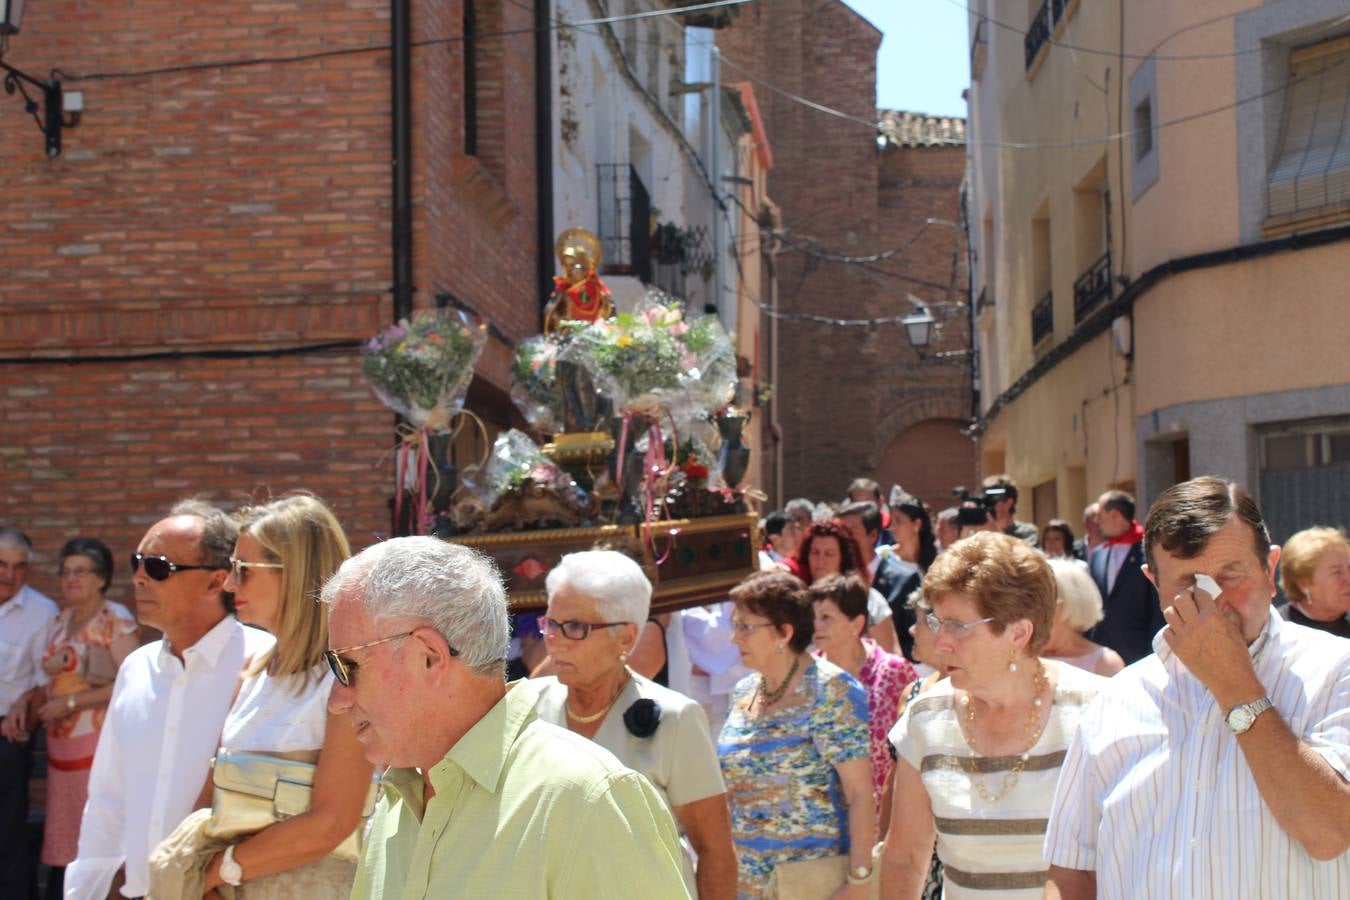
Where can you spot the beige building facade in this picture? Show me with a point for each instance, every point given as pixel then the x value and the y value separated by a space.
pixel 1160 211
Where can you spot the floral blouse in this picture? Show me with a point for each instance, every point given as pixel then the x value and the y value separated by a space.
pixel 786 800
pixel 111 622
pixel 885 677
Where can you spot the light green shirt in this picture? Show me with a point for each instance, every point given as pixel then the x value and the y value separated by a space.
pixel 522 809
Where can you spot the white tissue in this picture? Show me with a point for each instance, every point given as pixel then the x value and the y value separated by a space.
pixel 1208 585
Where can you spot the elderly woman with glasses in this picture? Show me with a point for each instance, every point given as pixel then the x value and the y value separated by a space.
pixel 88 642
pixel 795 752
pixel 285 552
pixel 979 753
pixel 598 603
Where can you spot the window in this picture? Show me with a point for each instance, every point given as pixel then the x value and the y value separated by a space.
pixel 1310 175
pixel 1143 129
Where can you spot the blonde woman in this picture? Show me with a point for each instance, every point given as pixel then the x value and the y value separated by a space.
pixel 286 550
pixel 1315 576
pixel 1078 607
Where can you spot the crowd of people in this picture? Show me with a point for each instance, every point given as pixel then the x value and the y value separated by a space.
pixel 898 704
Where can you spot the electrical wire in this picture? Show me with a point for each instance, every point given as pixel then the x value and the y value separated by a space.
pixel 380 48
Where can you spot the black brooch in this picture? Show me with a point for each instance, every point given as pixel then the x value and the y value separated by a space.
pixel 642 718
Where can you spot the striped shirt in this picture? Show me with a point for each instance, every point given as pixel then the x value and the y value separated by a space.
pixel 990 849
pixel 1157 798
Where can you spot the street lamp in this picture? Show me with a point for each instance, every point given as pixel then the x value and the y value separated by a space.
pixel 48 112
pixel 11 14
pixel 919 326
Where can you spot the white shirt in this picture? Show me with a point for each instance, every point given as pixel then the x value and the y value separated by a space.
pixel 707 635
pixel 25 622
pixel 163 726
pixel 1115 560
pixel 1157 798
pixel 270 716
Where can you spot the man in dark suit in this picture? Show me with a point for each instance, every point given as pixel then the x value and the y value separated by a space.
pixel 892 577
pixel 1129 599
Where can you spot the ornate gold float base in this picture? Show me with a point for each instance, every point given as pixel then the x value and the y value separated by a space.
pixel 700 560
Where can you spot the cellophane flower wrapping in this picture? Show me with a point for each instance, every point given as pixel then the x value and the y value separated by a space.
pixel 515 460
pixel 421 367
pixel 534 382
pixel 654 358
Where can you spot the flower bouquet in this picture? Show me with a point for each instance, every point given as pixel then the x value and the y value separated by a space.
pixel 521 488
pixel 421 367
pixel 534 383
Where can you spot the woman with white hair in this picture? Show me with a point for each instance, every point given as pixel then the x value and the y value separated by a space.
pixel 1078 608
pixel 598 602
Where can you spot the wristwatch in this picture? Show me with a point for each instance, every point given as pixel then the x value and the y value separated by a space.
pixel 1240 718
pixel 860 875
pixel 230 871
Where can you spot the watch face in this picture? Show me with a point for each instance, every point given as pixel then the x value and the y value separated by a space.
pixel 1240 719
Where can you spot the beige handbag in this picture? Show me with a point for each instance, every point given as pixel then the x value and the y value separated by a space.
pixel 818 879
pixel 254 790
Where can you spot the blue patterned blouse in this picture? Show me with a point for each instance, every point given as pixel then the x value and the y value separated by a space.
pixel 786 801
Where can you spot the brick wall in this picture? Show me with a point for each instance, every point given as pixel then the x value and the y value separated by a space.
pixel 226 213
pixel 845 394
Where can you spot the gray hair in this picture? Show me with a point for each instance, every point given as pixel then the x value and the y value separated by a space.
pixel 1077 593
pixel 619 587
pixel 455 590
pixel 801 504
pixel 15 539
pixel 219 530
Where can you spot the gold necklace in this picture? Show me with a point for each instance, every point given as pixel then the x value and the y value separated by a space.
pixel 1031 730
pixel 586 720
pixel 773 696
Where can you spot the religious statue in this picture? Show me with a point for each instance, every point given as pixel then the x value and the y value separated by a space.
pixel 578 294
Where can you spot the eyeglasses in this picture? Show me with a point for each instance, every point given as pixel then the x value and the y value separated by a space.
pixel 954 628
pixel 76 573
pixel 159 568
pixel 344 669
pixel 239 568
pixel 573 631
pixel 744 628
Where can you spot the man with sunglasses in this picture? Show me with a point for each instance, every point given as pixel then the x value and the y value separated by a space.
pixel 481 799
pixel 25 619
pixel 169 701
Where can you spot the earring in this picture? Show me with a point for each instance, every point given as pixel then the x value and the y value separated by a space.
pixel 1012 661
pixel 623 657
pixel 780 649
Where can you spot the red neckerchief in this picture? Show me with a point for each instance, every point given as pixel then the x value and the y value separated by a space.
pixel 1133 535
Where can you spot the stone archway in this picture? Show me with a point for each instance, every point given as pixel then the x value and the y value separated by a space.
pixel 929 458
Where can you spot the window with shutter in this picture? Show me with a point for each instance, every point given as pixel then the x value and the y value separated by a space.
pixel 1309 181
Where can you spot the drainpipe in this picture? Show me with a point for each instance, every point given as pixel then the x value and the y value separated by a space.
pixel 543 145
pixel 401 236
pixel 715 165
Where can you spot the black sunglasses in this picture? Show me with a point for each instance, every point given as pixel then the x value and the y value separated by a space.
pixel 344 669
pixel 159 568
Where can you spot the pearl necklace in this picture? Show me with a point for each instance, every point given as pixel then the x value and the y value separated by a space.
pixel 1031 730
pixel 586 720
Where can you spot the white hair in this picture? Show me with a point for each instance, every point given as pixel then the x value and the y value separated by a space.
pixel 1077 593
pixel 15 539
pixel 457 591
pixel 619 587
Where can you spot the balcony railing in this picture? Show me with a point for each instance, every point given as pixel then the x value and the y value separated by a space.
pixel 1092 289
pixel 1038 33
pixel 625 221
pixel 1043 319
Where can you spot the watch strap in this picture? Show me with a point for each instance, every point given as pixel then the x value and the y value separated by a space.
pixel 230 871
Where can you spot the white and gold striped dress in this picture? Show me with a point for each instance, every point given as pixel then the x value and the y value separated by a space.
pixel 990 849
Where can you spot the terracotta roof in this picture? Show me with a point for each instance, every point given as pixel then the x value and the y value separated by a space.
pixel 911 129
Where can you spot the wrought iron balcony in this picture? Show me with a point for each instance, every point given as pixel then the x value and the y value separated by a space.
pixel 1092 289
pixel 1038 33
pixel 625 221
pixel 1043 319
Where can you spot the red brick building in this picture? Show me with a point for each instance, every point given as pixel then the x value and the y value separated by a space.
pixel 858 400
pixel 184 286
